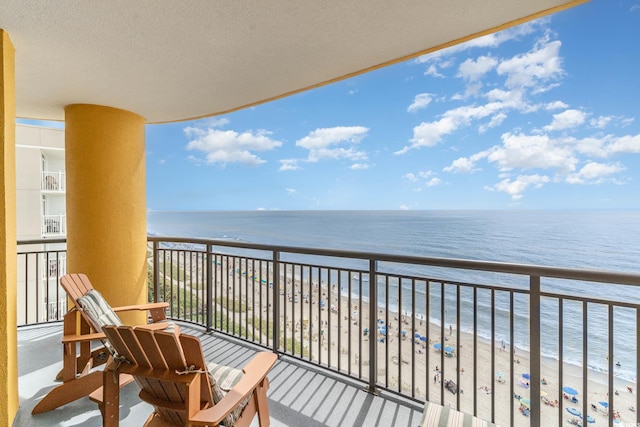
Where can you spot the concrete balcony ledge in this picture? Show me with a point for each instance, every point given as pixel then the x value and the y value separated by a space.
pixel 299 395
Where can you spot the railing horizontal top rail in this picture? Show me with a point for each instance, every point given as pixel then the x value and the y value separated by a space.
pixel 601 276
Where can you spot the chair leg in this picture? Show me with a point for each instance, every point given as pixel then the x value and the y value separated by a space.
pixel 111 399
pixel 68 392
pixel 262 403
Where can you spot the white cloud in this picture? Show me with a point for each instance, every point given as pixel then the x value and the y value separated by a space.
pixel 471 70
pixel 594 173
pixel 542 64
pixel 516 187
pixel 428 134
pixel 223 147
pixel 495 121
pixel 421 100
pixel 426 177
pixel 289 165
pixel 432 70
pixel 566 120
pixel 403 207
pixel 410 177
pixel 464 164
pixel 531 152
pixel 320 143
pixel 433 182
pixel 359 166
pixel 556 105
pixel 625 144
pixel 202 126
pixel 601 122
pixel 291 192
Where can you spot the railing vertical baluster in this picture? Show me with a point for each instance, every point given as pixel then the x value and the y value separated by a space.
pixel 493 354
pixel 209 298
pixel 360 325
pixel 329 316
pixel 386 325
pixel 156 271
pixel 585 356
pixel 475 351
pixel 37 282
pixel 442 325
pixel 339 284
pixel 458 344
pixel 26 289
pixel 413 338
pixel 534 336
pixel 427 325
pixel 276 301
pixel 610 371
pixel 511 367
pixel 560 357
pixel 373 313
pixel 399 326
pixel 637 359
pixel 350 311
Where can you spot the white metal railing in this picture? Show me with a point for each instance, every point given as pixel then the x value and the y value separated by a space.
pixel 53 181
pixel 53 310
pixel 54 225
pixel 56 266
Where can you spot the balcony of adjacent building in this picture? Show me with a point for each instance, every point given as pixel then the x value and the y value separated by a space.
pixel 518 344
pixel 53 182
pixel 54 225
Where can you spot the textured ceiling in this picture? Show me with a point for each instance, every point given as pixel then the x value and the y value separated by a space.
pixel 171 60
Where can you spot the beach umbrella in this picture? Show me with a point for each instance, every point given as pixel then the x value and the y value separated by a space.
pixel 448 349
pixel 526 376
pixel 525 402
pixel 403 333
pixel 417 335
pixel 574 411
pixel 437 346
pixel 604 404
pixel 590 419
pixel 543 393
pixel 570 390
pixel 500 374
pixel 423 338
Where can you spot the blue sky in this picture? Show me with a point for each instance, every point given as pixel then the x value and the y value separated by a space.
pixel 541 116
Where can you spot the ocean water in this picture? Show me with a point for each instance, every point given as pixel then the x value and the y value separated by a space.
pixel 591 239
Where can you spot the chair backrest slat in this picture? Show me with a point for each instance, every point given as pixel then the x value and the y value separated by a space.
pixel 136 351
pixel 193 355
pixel 115 339
pixel 76 285
pixel 151 349
pixel 171 350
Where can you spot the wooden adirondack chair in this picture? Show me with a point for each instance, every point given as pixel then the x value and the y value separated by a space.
pixel 78 378
pixel 173 376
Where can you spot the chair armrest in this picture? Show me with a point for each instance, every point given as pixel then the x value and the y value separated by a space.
pixel 254 373
pixel 83 337
pixel 142 307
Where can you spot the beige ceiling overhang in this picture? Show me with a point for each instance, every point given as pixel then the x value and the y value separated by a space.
pixel 170 60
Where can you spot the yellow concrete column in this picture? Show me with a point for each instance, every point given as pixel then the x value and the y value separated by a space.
pixel 106 202
pixel 8 247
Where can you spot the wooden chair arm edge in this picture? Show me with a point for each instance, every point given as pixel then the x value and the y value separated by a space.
pixel 83 337
pixel 142 307
pixel 255 373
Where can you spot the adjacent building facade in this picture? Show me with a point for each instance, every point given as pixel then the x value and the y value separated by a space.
pixel 41 215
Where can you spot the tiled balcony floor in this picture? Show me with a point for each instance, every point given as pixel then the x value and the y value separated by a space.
pixel 299 395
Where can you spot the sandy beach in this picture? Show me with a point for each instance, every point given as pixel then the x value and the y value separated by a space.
pixel 327 327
